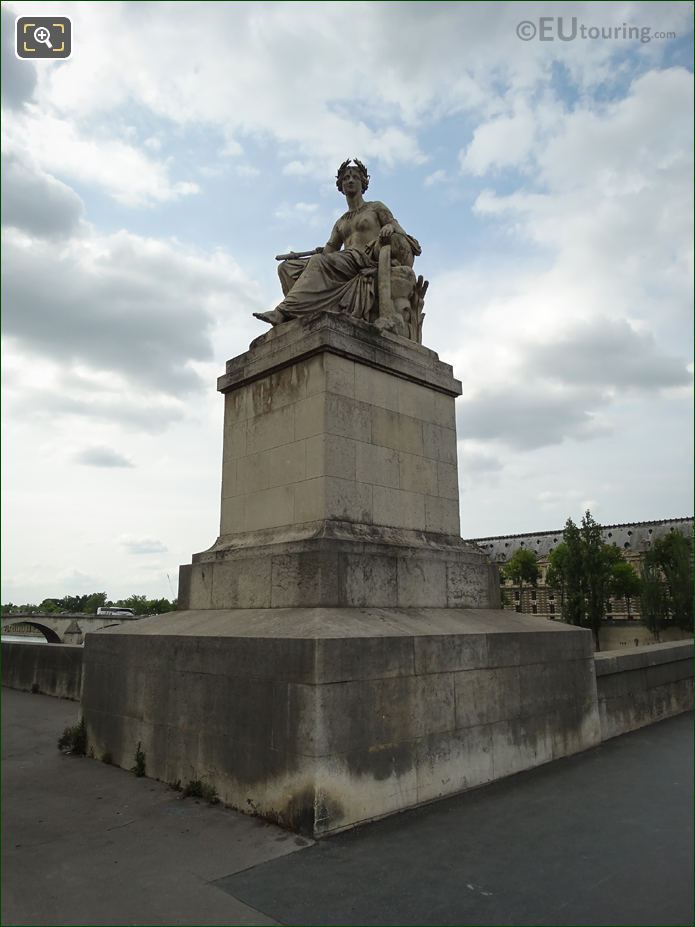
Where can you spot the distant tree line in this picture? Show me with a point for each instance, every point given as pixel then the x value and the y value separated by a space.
pixel 89 603
pixel 586 573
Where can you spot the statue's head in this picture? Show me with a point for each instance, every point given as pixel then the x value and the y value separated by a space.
pixel 355 165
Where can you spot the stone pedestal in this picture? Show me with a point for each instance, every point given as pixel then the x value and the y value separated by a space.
pixel 339 478
pixel 340 653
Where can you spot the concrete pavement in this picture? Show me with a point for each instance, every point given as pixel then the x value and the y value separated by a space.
pixel 600 838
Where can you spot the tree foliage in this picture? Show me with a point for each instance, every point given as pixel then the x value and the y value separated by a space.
pixel 522 567
pixel 598 562
pixel 587 573
pixel 653 599
pixel 89 603
pixel 574 609
pixel 625 582
pixel 556 574
pixel 670 559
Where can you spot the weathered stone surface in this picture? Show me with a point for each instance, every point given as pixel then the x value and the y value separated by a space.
pixel 52 669
pixel 340 653
pixel 640 686
pixel 353 573
pixel 335 334
pixel 374 426
pixel 322 718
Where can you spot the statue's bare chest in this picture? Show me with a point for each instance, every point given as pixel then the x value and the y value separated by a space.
pixel 364 223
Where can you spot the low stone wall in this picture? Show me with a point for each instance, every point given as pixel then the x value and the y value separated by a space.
pixel 52 669
pixel 640 686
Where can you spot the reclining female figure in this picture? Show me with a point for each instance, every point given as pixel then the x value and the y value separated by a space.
pixel 341 275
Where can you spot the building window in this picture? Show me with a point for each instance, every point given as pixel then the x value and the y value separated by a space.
pixel 517 594
pixel 533 595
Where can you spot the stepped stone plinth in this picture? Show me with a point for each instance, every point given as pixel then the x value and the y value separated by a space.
pixel 340 652
pixel 339 478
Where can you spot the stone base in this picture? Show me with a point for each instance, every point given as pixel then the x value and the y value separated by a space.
pixel 320 719
pixel 340 565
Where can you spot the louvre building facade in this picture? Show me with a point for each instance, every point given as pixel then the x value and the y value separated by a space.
pixel 634 539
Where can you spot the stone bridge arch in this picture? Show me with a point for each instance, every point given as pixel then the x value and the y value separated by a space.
pixel 51 636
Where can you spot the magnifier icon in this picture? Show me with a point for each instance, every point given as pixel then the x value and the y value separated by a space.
pixel 42 34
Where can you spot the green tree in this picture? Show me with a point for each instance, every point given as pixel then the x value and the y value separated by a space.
pixel 522 568
pixel 672 556
pixel 137 602
pixel 653 598
pixel 574 608
pixel 583 569
pixel 73 603
pixel 556 574
pixel 141 605
pixel 159 606
pixel 598 561
pixel 93 602
pixel 625 582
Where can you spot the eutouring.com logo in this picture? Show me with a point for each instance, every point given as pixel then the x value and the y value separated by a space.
pixel 562 29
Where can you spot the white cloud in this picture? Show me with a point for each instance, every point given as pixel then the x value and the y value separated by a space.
pixel 609 354
pixel 140 546
pixel 246 170
pixel 506 141
pixel 36 202
pixel 102 457
pixel 530 417
pixel 311 93
pixel 139 308
pixel 18 78
pixel 299 213
pixel 549 348
pixel 435 177
pixel 126 173
pixel 297 169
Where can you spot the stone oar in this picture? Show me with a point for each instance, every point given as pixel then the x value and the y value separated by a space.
pixel 297 254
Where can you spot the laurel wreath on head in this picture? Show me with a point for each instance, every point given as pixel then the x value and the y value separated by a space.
pixel 360 167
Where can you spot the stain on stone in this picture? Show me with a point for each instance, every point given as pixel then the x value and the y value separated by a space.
pixel 297 815
pixel 307 814
pixel 382 763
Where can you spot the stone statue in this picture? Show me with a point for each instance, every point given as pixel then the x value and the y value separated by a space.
pixel 364 269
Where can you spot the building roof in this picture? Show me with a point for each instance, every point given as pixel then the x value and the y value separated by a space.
pixel 635 535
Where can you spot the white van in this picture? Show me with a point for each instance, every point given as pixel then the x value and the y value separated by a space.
pixel 113 610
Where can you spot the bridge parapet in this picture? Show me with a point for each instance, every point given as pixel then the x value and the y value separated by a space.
pixel 69 628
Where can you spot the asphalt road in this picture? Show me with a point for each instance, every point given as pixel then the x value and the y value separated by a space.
pixel 601 838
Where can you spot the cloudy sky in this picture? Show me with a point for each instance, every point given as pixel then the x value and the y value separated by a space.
pixel 149 180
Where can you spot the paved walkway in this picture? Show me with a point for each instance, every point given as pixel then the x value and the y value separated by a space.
pixel 601 838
